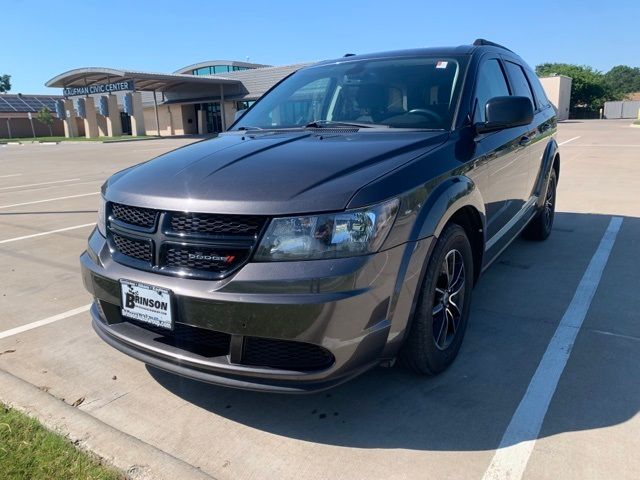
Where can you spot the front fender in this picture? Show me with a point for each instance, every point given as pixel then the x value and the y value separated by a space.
pixel 444 201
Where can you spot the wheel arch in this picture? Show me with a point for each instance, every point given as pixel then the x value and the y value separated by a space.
pixel 457 200
pixel 550 161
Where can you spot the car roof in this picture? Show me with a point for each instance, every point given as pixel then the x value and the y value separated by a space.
pixel 479 45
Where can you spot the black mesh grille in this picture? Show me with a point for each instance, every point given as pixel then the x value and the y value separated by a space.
pixel 208 224
pixel 140 217
pixel 285 354
pixel 133 248
pixel 203 342
pixel 203 259
pixel 209 245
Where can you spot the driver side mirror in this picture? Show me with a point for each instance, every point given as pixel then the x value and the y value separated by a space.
pixel 506 112
pixel 238 114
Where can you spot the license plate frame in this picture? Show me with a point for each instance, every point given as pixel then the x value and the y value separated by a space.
pixel 147 303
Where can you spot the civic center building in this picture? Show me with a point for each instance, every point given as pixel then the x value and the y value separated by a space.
pixel 197 99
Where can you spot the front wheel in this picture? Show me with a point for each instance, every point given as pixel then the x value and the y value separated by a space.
pixel 540 227
pixel 440 319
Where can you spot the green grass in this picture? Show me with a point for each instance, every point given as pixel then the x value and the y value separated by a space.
pixel 29 451
pixel 73 139
pixel 637 122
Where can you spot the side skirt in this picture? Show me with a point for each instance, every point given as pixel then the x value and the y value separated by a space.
pixel 499 242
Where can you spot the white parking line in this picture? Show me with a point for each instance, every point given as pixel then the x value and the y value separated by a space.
pixel 46 321
pixel 570 140
pixel 38 184
pixel 48 200
pixel 15 239
pixel 11 175
pixel 49 187
pixel 611 145
pixel 512 456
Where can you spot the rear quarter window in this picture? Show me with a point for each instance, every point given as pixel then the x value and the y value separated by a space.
pixel 541 97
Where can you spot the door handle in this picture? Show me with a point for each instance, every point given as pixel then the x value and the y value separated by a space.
pixel 524 141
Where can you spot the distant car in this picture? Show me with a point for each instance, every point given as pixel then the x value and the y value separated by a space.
pixel 341 222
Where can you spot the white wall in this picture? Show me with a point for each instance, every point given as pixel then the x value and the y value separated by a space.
pixel 558 90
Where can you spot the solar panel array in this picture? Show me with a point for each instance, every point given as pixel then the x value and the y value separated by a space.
pixel 27 103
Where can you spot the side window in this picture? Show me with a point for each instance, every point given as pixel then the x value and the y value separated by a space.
pixel 519 81
pixel 491 83
pixel 541 97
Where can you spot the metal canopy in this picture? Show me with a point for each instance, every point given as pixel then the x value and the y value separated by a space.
pixel 144 81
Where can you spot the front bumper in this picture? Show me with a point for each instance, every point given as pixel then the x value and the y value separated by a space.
pixel 348 313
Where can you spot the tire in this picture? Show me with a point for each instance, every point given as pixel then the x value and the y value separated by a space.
pixel 427 350
pixel 540 226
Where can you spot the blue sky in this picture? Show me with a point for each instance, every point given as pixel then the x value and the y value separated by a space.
pixel 41 39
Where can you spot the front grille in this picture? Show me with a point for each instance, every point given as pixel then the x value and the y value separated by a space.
pixel 203 259
pixel 137 249
pixel 203 342
pixel 285 354
pixel 140 217
pixel 196 245
pixel 208 224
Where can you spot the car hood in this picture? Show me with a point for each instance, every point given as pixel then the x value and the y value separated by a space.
pixel 268 173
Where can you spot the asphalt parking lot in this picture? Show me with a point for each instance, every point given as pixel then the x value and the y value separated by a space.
pixel 388 423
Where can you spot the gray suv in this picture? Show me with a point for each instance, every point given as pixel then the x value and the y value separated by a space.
pixel 341 222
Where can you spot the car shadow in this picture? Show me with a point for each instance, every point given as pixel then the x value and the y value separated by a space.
pixel 516 308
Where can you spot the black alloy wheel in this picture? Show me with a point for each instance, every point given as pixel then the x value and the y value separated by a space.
pixel 448 299
pixel 540 226
pixel 440 319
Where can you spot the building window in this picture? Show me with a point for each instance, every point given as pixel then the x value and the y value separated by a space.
pixel 215 69
pixel 244 105
pixel 202 71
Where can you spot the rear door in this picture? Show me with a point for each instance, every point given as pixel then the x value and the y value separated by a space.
pixel 505 157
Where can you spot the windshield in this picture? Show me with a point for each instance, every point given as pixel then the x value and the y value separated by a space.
pixel 418 92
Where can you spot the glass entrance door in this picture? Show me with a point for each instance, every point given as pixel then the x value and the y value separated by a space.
pixel 126 123
pixel 212 117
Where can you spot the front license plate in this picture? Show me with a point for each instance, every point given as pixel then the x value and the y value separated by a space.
pixel 146 303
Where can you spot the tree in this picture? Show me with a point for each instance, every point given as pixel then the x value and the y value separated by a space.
pixel 5 83
pixel 44 116
pixel 589 89
pixel 623 80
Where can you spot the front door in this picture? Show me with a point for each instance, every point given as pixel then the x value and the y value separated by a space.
pixel 125 120
pixel 503 153
pixel 212 118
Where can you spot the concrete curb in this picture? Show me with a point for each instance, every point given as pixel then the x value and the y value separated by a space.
pixel 132 140
pixel 139 460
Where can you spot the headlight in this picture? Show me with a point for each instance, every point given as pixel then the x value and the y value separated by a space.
pixel 102 221
pixel 344 234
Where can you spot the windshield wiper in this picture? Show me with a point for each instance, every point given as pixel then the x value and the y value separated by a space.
pixel 333 123
pixel 250 128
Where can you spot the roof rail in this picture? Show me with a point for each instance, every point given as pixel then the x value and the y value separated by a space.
pixel 481 41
